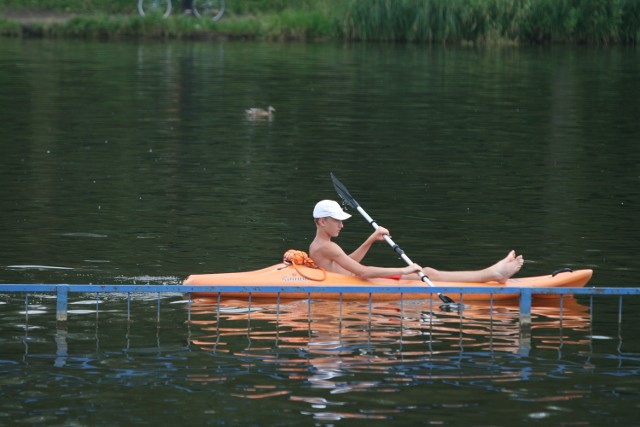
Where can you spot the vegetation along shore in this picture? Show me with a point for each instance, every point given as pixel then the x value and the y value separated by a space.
pixel 597 22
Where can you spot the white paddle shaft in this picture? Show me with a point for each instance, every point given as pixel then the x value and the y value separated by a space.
pixel 395 247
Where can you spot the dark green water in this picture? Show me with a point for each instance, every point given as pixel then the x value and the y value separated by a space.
pixel 135 163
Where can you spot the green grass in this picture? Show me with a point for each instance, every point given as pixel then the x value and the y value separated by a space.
pixel 577 21
pixel 10 28
pixel 418 21
pixel 531 21
pixel 285 26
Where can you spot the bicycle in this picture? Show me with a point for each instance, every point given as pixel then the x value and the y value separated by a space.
pixel 209 9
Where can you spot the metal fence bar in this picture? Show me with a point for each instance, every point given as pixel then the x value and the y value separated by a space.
pixel 62 303
pixel 525 307
pixel 185 289
pixel 524 294
pixel 525 322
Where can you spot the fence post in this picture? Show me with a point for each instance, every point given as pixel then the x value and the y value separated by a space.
pixel 525 307
pixel 62 302
pixel 525 322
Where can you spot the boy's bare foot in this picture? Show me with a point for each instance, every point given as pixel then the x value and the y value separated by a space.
pixel 507 267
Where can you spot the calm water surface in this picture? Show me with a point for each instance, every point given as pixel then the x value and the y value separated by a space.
pixel 134 163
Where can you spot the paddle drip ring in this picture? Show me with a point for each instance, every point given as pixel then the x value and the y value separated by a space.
pixel 295 258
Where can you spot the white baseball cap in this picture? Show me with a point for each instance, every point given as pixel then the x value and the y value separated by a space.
pixel 329 208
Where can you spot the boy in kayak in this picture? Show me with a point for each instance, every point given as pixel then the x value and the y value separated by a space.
pixel 329 218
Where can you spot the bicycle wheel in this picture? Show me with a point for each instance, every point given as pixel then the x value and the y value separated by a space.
pixel 209 9
pixel 154 7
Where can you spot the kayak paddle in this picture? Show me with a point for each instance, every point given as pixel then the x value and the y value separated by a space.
pixel 349 200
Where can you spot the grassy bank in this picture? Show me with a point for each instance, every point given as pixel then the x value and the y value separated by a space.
pixel 419 21
pixel 530 21
pixel 284 26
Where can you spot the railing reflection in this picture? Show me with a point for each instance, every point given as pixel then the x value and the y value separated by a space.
pixel 321 340
pixel 334 327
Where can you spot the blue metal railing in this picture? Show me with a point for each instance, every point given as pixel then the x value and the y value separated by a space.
pixel 524 294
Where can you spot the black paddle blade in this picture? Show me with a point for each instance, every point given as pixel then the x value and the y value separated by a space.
pixel 343 192
pixel 449 305
pixel 445 299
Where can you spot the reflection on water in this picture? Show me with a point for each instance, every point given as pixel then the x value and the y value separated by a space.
pixel 358 335
pixel 318 355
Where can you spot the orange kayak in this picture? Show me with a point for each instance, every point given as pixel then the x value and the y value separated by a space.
pixel 290 276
